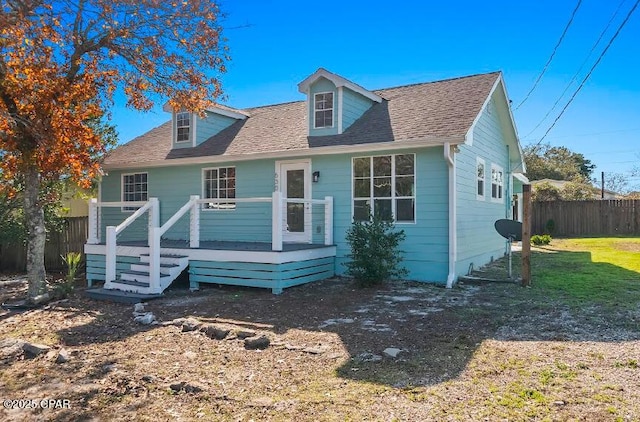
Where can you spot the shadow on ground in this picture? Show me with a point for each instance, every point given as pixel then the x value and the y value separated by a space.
pixel 437 330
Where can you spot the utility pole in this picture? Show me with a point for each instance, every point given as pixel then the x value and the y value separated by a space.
pixel 602 187
pixel 526 236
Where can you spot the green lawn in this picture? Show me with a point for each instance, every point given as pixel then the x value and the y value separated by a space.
pixel 589 271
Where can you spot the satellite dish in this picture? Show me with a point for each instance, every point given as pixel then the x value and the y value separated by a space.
pixel 509 229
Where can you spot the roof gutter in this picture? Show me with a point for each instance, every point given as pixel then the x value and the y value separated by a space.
pixel 449 157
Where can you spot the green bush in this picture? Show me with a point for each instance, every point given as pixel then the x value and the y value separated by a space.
pixel 550 226
pixel 540 239
pixel 374 256
pixel 64 287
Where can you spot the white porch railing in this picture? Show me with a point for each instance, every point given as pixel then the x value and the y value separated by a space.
pixel 112 232
pixel 193 207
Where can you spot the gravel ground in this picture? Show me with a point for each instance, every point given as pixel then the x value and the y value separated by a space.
pixel 476 352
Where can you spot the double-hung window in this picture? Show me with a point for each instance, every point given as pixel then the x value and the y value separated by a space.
pixel 183 126
pixel 385 186
pixel 134 189
pixel 323 110
pixel 480 175
pixel 219 183
pixel 496 183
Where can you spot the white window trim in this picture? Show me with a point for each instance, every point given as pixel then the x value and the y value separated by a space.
pixel 500 185
pixel 484 179
pixel 204 194
pixel 393 187
pixel 192 129
pixel 124 209
pixel 333 108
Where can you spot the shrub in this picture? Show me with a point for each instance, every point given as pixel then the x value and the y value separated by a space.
pixel 375 256
pixel 540 239
pixel 550 226
pixel 73 261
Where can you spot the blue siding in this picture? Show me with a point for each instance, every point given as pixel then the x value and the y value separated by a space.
pixel 426 245
pixel 211 125
pixel 323 85
pixel 478 242
pixel 95 266
pixel 174 185
pixel 425 248
pixel 354 106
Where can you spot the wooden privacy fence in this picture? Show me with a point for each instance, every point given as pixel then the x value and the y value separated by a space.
pixel 587 218
pixel 13 257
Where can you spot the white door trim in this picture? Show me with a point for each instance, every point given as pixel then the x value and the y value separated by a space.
pixel 281 168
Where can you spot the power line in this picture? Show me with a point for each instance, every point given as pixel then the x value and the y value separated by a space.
pixel 553 53
pixel 624 22
pixel 575 76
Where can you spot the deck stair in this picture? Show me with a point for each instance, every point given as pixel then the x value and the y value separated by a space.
pixel 136 279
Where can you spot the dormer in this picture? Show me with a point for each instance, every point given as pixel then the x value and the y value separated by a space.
pixel 190 129
pixel 334 103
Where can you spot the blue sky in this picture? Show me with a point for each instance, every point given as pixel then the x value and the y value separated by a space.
pixel 276 44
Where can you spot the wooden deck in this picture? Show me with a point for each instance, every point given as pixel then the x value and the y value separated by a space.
pixel 251 264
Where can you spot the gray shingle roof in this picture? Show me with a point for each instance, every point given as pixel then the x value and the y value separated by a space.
pixel 428 112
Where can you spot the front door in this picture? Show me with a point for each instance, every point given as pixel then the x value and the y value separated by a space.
pixel 294 183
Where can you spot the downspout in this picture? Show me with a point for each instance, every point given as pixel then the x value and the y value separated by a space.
pixel 453 241
pixel 508 200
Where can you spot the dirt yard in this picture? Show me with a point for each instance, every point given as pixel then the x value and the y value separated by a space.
pixel 405 351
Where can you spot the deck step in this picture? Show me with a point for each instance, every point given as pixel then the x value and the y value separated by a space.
pixel 120 296
pixel 167 255
pixel 132 283
pixel 146 264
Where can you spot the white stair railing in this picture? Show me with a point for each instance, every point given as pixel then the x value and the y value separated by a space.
pixel 112 232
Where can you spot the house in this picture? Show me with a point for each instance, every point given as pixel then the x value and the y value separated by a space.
pixel 263 196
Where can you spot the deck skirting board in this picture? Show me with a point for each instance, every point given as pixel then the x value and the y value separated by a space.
pixel 265 269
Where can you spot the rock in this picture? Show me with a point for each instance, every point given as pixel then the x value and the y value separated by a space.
pixel 110 367
pixel 243 333
pixel 391 352
pixel 138 308
pixel 315 350
pixel 256 342
pixel 148 378
pixel 33 349
pixel 559 403
pixel 188 388
pixel 214 331
pixel 63 356
pixel 145 319
pixel 190 324
pixel 368 357
pixel 40 299
pixel 261 402
pixel 11 349
pixel 190 355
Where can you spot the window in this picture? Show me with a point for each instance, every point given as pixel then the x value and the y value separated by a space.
pixel 134 188
pixel 183 126
pixel 219 183
pixel 384 186
pixel 496 183
pixel 323 110
pixel 480 178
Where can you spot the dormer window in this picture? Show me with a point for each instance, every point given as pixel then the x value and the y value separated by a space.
pixel 323 110
pixel 183 126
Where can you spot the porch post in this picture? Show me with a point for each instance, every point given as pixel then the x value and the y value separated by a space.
pixel 328 220
pixel 194 222
pixel 154 214
pixel 110 257
pixel 154 260
pixel 93 238
pixel 276 221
